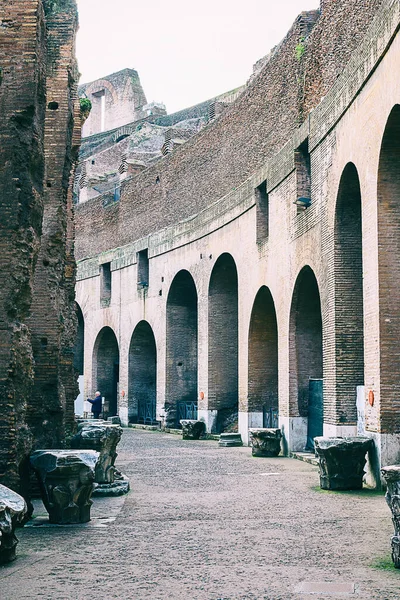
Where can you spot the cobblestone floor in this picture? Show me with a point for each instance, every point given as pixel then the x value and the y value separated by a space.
pixel 204 523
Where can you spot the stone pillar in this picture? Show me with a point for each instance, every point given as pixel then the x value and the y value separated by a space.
pixel 66 479
pixel 12 512
pixel 391 475
pixel 265 442
pixel 342 462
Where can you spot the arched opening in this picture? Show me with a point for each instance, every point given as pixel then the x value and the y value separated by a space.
pixel 80 341
pixel 79 360
pixel 263 359
pixel 305 355
pixel 142 375
pixel 106 370
pixel 389 273
pixel 181 357
pixel 223 344
pixel 349 306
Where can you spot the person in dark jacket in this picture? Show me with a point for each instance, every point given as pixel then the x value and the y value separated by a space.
pixel 96 405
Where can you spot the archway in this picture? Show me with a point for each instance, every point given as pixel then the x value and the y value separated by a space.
pixel 181 355
pixel 223 343
pixel 305 355
pixel 78 360
pixel 263 359
pixel 106 369
pixel 389 273
pixel 142 375
pixel 80 341
pixel 349 306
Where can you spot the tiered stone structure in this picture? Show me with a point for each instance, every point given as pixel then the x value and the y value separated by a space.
pixel 255 265
pixel 39 142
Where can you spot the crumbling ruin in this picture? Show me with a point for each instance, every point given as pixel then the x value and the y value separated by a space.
pixel 39 142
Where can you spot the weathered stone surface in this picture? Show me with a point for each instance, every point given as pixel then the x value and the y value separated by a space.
pixel 342 461
pixel 66 479
pixel 119 486
pixel 230 439
pixel 192 429
pixel 104 438
pixel 391 475
pixel 12 511
pixel 114 420
pixel 265 442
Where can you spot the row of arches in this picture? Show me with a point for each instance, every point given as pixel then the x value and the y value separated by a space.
pixel 308 319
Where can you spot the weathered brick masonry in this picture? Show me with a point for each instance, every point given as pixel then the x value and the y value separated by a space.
pixel 37 322
pixel 284 213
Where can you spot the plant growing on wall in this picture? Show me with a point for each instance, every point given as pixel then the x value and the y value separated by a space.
pixel 85 108
pixel 300 48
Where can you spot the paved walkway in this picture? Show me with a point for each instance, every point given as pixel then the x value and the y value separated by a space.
pixel 204 523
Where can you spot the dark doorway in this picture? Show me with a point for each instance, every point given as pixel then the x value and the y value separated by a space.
pixel 181 357
pixel 106 369
pixel 223 343
pixel 142 375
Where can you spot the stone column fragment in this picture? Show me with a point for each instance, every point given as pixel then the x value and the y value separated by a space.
pixel 192 429
pixel 66 479
pixel 104 438
pixel 342 461
pixel 391 475
pixel 265 442
pixel 12 511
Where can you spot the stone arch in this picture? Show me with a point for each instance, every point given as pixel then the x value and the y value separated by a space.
pixel 389 273
pixel 306 356
pixel 223 343
pixel 349 306
pixel 106 369
pixel 263 359
pixel 142 375
pixel 181 350
pixel 99 85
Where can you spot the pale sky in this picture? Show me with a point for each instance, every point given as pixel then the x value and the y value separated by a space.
pixel 185 52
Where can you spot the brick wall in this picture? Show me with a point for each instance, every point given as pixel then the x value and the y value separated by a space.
pixel 37 263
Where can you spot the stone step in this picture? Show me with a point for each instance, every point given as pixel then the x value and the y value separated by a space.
pixel 146 427
pixel 307 457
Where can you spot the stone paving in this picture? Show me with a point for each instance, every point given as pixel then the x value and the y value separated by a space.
pixel 210 523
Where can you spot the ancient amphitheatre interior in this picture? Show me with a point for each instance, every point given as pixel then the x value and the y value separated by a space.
pixel 235 264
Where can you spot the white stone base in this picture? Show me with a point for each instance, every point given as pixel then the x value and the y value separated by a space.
pixel 123 415
pixel 294 432
pixel 385 453
pixel 248 420
pixel 209 417
pixel 339 430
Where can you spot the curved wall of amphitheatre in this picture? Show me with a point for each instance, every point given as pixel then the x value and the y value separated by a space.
pixel 231 190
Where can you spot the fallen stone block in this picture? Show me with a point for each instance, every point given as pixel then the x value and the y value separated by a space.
pixel 66 479
pixel 227 440
pixel 265 442
pixel 12 512
pixel 342 461
pixel 192 429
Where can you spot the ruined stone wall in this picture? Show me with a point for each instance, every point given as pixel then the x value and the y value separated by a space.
pixel 35 166
pixel 255 127
pixel 122 103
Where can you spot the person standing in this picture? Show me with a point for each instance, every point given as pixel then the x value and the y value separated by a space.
pixel 96 405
